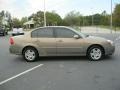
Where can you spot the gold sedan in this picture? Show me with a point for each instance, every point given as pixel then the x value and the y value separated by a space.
pixel 59 41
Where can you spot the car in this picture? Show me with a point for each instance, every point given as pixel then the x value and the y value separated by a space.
pixel 60 41
pixel 2 32
pixel 17 31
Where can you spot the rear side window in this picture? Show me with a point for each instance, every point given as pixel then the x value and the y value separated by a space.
pixel 42 33
pixel 34 34
pixel 64 33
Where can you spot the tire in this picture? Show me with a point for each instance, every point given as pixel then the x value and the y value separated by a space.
pixel 3 34
pixel 6 33
pixel 13 34
pixel 95 53
pixel 30 54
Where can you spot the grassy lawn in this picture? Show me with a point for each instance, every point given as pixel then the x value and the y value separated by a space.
pixel 100 26
pixel 108 27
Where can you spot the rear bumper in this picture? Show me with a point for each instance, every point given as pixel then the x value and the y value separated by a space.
pixel 15 50
pixel 16 34
pixel 1 33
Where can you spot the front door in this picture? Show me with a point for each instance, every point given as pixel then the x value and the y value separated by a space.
pixel 67 44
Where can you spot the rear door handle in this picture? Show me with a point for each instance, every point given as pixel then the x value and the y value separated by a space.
pixel 60 41
pixel 36 41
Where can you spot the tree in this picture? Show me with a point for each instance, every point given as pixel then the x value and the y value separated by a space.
pixel 88 20
pixel 2 14
pixel 5 20
pixel 98 19
pixel 116 15
pixel 52 18
pixel 23 20
pixel 9 20
pixel 0 19
pixel 73 18
pixel 16 23
pixel 105 19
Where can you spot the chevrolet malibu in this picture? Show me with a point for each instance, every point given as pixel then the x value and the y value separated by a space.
pixel 59 41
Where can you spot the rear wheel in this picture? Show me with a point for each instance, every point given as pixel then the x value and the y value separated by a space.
pixel 95 53
pixel 30 54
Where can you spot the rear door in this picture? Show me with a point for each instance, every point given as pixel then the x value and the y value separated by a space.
pixel 46 41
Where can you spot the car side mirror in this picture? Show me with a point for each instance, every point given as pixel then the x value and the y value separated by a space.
pixel 76 37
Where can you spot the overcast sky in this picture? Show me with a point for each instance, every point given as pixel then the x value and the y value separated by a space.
pixel 21 8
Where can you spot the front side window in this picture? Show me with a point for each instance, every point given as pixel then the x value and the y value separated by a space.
pixel 42 33
pixel 64 33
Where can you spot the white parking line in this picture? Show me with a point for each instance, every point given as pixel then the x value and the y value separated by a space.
pixel 9 79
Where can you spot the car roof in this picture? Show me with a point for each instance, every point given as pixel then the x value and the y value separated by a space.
pixel 51 27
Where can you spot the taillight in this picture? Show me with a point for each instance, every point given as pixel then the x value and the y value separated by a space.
pixel 11 41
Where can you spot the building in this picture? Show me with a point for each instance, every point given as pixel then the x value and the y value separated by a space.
pixel 29 24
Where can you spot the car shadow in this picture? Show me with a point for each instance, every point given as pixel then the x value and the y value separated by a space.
pixel 72 58
pixel 108 58
pixel 54 58
pixel 62 58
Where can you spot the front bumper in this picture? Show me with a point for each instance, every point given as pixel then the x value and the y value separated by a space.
pixel 110 50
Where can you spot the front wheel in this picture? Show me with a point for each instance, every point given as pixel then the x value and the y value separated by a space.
pixel 95 53
pixel 30 54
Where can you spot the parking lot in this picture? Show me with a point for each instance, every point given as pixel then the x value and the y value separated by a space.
pixel 59 73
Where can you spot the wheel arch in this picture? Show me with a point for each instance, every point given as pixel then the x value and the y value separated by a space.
pixel 29 46
pixel 96 45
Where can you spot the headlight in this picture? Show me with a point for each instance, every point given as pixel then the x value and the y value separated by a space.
pixel 109 41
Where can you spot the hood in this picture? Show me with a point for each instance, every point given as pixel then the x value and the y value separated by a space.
pixel 95 39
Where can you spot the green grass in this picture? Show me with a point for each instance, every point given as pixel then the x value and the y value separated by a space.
pixel 99 26
pixel 108 27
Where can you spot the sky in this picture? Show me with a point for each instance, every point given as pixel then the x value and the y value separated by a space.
pixel 22 8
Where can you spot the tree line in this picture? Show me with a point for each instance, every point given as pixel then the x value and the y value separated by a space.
pixel 73 18
pixel 5 19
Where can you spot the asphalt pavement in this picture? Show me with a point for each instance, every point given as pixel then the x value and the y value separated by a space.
pixel 59 73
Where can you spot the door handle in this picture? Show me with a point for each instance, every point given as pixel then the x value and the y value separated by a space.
pixel 36 41
pixel 60 41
